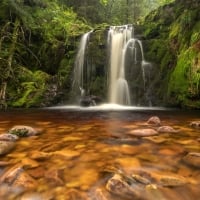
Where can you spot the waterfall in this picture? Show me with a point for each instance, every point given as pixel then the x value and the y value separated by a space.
pixel 118 86
pixel 120 41
pixel 127 69
pixel 80 64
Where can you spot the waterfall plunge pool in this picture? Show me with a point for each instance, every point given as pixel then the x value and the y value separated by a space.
pixel 77 154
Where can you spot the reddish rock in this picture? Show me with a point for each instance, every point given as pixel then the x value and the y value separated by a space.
pixel 74 194
pixel 4 163
pixel 99 195
pixel 17 177
pixel 38 172
pixel 143 132
pixel 116 185
pixel 38 155
pixel 54 176
pixel 195 124
pixel 154 120
pixel 6 147
pixel 24 180
pixel 166 129
pixel 8 137
pixel 172 181
pixel 193 159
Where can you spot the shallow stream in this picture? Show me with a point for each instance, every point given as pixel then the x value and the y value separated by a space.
pixel 82 149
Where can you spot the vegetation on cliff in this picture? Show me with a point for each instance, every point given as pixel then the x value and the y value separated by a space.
pixel 39 39
pixel 172 35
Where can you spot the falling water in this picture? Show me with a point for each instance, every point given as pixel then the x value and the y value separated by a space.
pixel 120 41
pixel 80 61
pixel 118 86
pixel 125 53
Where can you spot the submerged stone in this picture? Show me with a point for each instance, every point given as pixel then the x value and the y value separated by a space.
pixel 192 158
pixel 39 155
pixel 172 181
pixel 166 129
pixel 154 120
pixel 195 124
pixel 54 177
pixel 74 194
pixel 143 132
pixel 17 177
pixel 116 185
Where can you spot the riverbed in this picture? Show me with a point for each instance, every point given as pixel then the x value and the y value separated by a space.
pixel 78 151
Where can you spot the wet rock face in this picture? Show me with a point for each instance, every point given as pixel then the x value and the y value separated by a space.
pixel 192 159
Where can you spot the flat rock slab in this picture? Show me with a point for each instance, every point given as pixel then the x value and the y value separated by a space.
pixel 143 132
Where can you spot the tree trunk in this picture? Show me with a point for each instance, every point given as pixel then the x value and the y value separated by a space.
pixel 12 48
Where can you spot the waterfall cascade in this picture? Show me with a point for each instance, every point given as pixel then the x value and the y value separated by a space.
pixel 126 63
pixel 121 42
pixel 80 64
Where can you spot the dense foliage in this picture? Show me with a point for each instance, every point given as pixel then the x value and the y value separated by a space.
pixel 172 35
pixel 35 38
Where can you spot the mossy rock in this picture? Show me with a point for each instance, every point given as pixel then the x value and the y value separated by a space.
pixel 23 131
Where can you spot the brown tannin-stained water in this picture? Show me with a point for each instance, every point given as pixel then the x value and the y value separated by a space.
pixel 92 155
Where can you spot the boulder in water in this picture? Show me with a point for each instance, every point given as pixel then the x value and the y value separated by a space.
pixel 143 132
pixel 154 120
pixel 118 186
pixel 6 147
pixel 8 137
pixel 17 177
pixel 23 131
pixel 193 159
pixel 166 129
pixel 195 124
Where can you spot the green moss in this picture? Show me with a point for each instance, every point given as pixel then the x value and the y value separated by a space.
pixel 156 50
pixel 19 132
pixel 174 30
pixel 195 37
pixel 185 78
pixel 31 92
pixel 27 88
